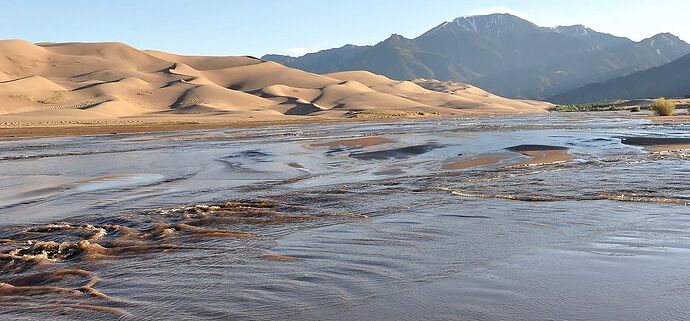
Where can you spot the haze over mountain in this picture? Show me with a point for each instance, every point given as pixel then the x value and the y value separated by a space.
pixel 501 53
pixel 670 80
pixel 113 80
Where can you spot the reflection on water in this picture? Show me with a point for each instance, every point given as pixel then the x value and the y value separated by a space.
pixel 538 217
pixel 113 182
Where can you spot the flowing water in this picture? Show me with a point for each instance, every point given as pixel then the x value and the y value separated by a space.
pixel 545 217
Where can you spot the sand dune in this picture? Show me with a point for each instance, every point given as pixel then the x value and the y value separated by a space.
pixel 203 63
pixel 304 94
pixel 263 74
pixel 76 81
pixel 363 77
pixel 351 93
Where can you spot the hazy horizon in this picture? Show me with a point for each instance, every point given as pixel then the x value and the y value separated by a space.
pixel 298 27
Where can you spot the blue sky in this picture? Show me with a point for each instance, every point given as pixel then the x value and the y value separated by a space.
pixel 296 26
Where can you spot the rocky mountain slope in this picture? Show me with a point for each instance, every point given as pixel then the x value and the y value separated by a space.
pixel 501 53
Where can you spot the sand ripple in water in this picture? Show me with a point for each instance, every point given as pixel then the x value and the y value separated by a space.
pixel 612 196
pixel 52 260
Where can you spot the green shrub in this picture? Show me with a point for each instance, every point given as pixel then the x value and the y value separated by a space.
pixel 663 107
pixel 567 108
pixel 635 109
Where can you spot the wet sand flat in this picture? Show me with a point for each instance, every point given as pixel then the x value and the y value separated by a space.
pixel 355 142
pixel 475 161
pixel 144 126
pixel 541 155
pixel 668 148
pixel 658 144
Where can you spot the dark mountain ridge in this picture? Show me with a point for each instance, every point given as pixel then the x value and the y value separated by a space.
pixel 501 53
pixel 670 80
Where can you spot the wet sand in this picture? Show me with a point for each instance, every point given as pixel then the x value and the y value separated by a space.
pixel 355 142
pixel 668 148
pixel 541 155
pixel 12 130
pixel 658 144
pixel 143 126
pixel 682 118
pixel 475 161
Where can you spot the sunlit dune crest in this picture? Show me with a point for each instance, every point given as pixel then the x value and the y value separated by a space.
pixel 107 81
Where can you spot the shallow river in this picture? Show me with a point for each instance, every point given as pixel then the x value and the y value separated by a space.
pixel 313 222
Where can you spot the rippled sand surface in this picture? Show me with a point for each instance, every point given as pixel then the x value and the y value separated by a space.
pixel 540 217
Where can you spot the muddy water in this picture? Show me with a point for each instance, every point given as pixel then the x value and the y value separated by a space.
pixel 549 217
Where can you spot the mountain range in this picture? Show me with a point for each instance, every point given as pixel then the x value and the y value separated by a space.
pixel 503 54
pixel 669 80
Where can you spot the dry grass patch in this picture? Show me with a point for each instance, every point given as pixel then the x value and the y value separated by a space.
pixel 663 107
